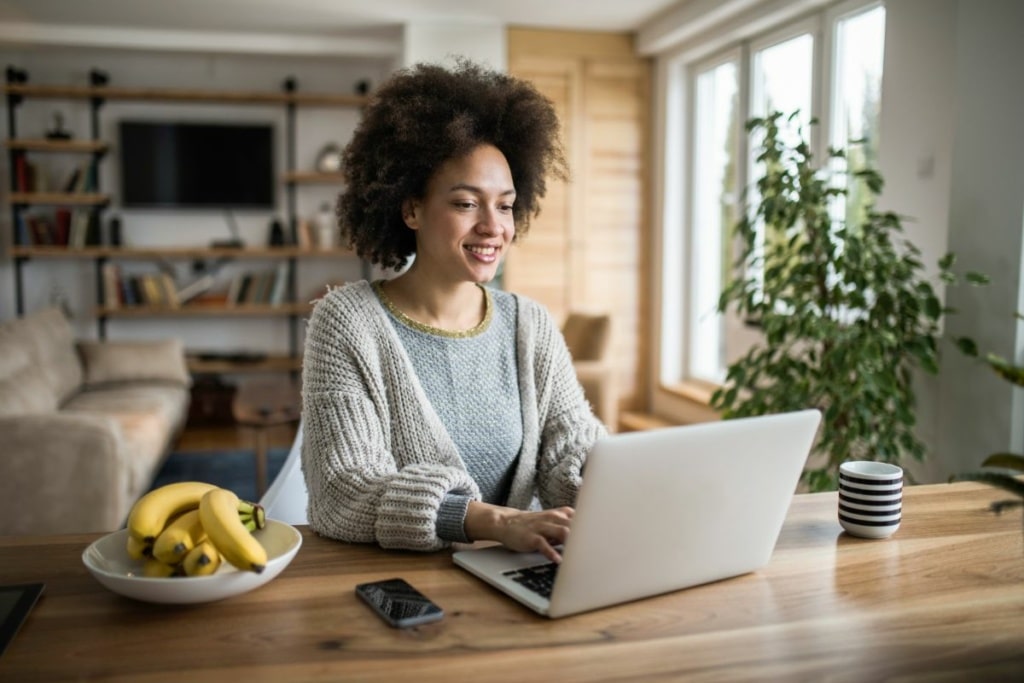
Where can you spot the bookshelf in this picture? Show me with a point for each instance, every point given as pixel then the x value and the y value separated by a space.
pixel 84 197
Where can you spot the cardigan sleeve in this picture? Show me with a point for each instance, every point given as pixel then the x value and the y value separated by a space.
pixel 359 491
pixel 568 426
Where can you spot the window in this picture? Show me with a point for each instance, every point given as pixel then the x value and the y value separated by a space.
pixel 713 211
pixel 856 95
pixel 833 58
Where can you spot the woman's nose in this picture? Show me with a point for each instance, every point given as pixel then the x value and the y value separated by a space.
pixel 491 222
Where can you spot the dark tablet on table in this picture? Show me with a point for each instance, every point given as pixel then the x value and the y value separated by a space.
pixel 15 604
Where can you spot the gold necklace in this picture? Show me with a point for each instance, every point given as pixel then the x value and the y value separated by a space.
pixel 378 286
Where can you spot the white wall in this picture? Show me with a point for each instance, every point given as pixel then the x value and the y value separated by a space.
pixel 953 160
pixel 916 159
pixel 481 42
pixel 74 281
pixel 980 413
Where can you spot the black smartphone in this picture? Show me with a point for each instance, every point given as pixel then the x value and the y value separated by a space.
pixel 398 603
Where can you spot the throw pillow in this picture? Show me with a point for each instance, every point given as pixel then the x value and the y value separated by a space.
pixel 107 362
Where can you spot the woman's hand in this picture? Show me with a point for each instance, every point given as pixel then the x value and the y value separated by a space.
pixel 518 530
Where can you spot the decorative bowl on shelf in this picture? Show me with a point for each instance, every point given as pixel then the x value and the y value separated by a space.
pixel 329 158
pixel 108 561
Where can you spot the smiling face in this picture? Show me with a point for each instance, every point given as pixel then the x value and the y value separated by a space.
pixel 464 222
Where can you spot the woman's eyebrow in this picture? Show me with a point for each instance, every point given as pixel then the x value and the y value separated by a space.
pixel 477 190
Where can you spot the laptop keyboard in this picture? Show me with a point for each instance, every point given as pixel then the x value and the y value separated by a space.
pixel 540 578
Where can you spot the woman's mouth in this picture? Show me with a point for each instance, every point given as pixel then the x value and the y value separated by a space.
pixel 484 254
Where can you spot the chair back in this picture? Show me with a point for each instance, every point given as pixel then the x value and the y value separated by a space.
pixel 588 335
pixel 286 498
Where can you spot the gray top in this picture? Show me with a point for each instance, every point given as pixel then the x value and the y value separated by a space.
pixel 486 422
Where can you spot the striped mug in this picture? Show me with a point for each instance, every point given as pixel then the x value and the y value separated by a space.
pixel 870 498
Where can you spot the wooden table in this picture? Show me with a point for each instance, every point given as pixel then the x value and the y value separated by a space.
pixel 943 599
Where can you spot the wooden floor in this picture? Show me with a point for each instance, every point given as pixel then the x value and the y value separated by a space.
pixel 231 437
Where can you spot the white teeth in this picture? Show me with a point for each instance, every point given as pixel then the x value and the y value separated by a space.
pixel 483 251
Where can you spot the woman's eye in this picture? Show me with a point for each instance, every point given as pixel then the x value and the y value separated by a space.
pixel 465 205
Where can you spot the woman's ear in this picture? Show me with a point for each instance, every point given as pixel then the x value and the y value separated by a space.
pixel 410 213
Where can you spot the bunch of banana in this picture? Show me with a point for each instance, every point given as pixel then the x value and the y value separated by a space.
pixel 218 512
pixel 176 533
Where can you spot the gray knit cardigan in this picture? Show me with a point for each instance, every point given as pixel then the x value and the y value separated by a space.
pixel 376 457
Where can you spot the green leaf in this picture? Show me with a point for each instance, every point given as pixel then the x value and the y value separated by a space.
pixel 967 346
pixel 947 261
pixel 977 279
pixel 995 479
pixel 1006 370
pixel 1010 461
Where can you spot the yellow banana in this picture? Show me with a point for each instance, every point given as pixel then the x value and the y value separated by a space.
pixel 155 569
pixel 151 513
pixel 218 512
pixel 202 560
pixel 137 549
pixel 179 537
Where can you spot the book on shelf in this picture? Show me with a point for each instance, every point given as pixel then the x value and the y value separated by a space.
pixel 41 230
pixel 21 174
pixel 151 289
pixel 79 234
pixel 168 290
pixel 144 289
pixel 23 236
pixel 128 291
pixel 239 288
pixel 72 183
pixel 304 234
pixel 196 287
pixel 280 286
pixel 113 291
pixel 259 287
pixel 62 226
pixel 82 178
pixel 27 176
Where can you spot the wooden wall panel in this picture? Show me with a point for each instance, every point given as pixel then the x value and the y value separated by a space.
pixel 594 230
pixel 539 263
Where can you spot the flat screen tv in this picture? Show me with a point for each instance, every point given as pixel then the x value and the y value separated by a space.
pixel 196 165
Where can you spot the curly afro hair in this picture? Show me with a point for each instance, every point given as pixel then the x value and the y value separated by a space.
pixel 425 115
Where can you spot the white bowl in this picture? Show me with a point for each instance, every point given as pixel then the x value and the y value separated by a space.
pixel 107 559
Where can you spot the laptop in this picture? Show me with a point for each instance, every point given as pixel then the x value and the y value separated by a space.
pixel 662 510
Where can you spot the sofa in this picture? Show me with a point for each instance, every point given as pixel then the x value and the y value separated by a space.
pixel 85 424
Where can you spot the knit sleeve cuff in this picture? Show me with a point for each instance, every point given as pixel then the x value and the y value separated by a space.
pixel 451 518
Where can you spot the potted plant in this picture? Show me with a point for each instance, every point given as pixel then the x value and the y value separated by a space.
pixel 845 308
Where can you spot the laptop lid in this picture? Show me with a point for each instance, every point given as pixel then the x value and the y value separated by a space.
pixel 666 509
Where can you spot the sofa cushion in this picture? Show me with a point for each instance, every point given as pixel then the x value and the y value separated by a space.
pixel 26 392
pixel 148 418
pixel 47 337
pixel 114 362
pixel 14 355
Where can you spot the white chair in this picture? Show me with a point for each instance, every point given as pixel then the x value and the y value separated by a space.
pixel 286 498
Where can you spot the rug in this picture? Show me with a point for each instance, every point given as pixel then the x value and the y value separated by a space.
pixel 233 469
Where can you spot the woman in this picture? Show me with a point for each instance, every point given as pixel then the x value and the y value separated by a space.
pixel 436 410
